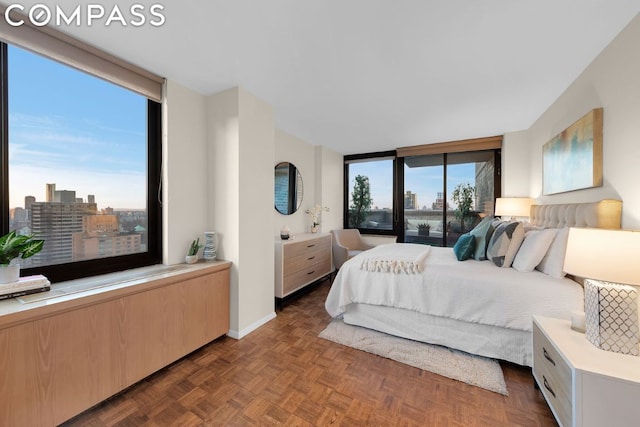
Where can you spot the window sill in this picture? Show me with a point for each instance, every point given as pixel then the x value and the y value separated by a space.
pixel 78 293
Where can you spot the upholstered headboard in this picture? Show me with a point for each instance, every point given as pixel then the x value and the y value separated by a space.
pixel 603 214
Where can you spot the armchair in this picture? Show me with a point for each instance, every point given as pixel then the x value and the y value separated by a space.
pixel 347 244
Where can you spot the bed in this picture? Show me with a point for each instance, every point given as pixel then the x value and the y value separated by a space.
pixel 473 306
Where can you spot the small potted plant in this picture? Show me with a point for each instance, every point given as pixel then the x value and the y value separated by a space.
pixel 13 246
pixel 192 253
pixel 423 229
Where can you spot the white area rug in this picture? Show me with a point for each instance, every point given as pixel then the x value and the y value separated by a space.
pixel 475 370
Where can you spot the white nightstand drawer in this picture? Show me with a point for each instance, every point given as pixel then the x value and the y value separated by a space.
pixel 553 375
pixel 603 386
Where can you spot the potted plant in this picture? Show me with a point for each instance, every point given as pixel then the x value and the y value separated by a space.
pixel 13 246
pixel 192 253
pixel 463 196
pixel 423 229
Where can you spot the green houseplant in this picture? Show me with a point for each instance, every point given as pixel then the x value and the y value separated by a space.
pixel 463 196
pixel 423 229
pixel 13 246
pixel 192 253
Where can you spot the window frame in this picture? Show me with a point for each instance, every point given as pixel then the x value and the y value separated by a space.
pixel 86 268
pixel 398 178
pixel 380 155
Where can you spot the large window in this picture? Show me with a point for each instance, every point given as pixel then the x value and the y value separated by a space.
pixel 446 195
pixel 424 194
pixel 369 192
pixel 81 158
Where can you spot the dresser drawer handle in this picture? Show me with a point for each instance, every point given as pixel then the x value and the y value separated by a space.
pixel 546 356
pixel 310 246
pixel 309 259
pixel 311 272
pixel 548 387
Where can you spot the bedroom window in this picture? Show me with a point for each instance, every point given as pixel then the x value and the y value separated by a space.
pixel 80 160
pixel 429 194
pixel 369 192
pixel 446 195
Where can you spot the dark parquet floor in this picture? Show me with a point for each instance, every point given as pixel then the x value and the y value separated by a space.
pixel 284 375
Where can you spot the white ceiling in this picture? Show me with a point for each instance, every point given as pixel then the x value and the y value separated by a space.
pixel 370 75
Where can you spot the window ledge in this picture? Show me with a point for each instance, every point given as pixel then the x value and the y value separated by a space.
pixel 78 293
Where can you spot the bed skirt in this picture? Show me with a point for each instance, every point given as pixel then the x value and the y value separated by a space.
pixel 496 342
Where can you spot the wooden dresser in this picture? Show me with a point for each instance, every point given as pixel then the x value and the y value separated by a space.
pixel 300 262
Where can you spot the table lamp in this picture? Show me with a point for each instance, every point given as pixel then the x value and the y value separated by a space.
pixel 606 259
pixel 513 207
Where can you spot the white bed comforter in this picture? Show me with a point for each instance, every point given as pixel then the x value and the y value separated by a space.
pixel 471 291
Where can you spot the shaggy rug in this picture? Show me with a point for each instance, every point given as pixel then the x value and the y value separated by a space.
pixel 475 370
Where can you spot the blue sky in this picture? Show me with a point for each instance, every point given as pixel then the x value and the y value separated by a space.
pixel 76 131
pixel 426 182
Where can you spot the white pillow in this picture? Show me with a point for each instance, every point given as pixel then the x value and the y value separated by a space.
pixel 533 249
pixel 553 262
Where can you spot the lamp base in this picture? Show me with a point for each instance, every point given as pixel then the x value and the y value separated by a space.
pixel 611 312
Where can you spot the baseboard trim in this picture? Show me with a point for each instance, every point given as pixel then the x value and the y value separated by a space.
pixel 252 327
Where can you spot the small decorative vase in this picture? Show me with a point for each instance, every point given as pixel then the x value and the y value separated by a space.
pixel 191 259
pixel 9 273
pixel 285 233
pixel 210 246
pixel 314 228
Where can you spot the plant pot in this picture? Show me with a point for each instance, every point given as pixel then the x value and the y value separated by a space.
pixel 423 232
pixel 191 259
pixel 9 273
pixel 314 229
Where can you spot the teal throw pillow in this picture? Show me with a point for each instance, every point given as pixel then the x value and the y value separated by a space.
pixel 464 247
pixel 483 232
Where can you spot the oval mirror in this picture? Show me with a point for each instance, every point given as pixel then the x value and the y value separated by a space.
pixel 288 188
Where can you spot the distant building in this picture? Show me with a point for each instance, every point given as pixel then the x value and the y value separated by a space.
pixel 51 189
pixel 410 200
pixel 440 203
pixel 101 237
pixel 56 222
pixel 28 201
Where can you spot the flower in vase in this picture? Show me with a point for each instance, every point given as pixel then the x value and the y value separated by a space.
pixel 314 213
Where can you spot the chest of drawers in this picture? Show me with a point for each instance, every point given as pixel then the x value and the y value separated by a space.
pixel 301 261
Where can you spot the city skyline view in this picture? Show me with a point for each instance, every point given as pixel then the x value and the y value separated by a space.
pixel 426 182
pixel 72 137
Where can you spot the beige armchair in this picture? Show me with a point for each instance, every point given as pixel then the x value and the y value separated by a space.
pixel 347 244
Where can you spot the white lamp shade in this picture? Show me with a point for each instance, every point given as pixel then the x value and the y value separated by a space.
pixel 513 206
pixel 609 255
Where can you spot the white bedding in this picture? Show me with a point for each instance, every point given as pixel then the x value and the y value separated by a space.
pixel 470 291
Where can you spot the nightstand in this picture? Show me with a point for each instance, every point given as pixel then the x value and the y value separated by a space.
pixel 583 385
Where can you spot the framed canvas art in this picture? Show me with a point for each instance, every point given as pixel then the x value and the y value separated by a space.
pixel 572 160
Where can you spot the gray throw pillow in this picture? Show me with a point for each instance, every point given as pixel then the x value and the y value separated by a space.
pixel 505 242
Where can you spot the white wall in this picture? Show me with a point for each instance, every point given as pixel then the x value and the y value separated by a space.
pixel 289 148
pixel 184 183
pixel 611 81
pixel 329 186
pixel 219 153
pixel 240 199
pixel 515 165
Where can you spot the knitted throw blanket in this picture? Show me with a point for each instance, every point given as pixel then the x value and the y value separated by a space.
pixel 397 259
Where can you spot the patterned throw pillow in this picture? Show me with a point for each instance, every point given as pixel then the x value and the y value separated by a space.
pixel 464 247
pixel 505 242
pixel 482 233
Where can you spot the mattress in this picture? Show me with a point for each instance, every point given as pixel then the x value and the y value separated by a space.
pixel 470 291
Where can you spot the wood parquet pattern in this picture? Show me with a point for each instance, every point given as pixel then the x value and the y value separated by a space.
pixel 283 374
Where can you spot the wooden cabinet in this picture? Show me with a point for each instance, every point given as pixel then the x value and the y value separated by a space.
pixel 583 385
pixel 62 356
pixel 301 261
